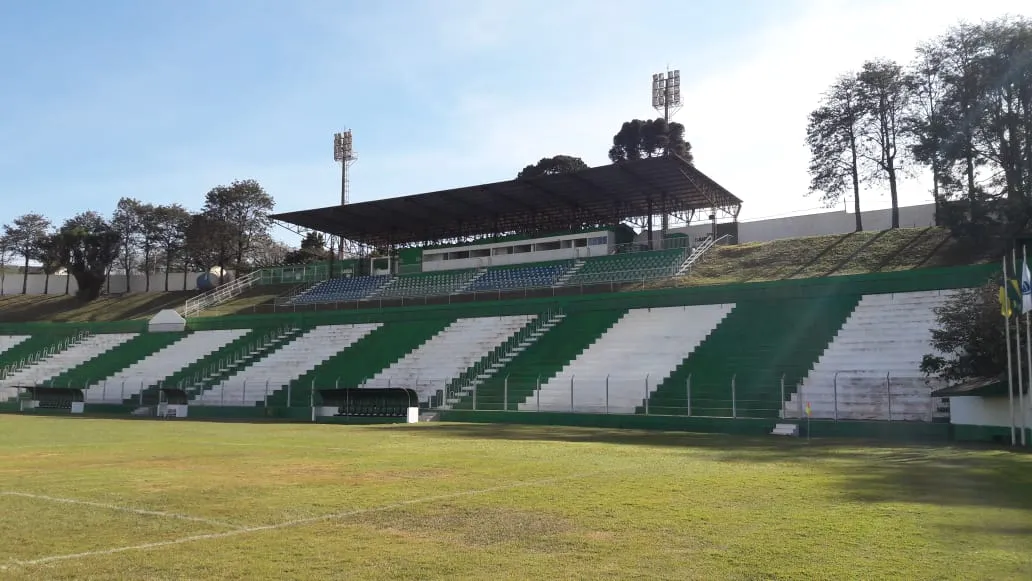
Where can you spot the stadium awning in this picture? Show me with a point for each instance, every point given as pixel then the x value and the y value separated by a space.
pixel 608 194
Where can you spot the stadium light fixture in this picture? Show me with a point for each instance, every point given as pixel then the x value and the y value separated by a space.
pixel 666 92
pixel 344 154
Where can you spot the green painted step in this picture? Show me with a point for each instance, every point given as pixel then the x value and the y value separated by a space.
pixel 544 358
pixel 364 359
pixel 483 365
pixel 242 361
pixel 186 375
pixel 34 344
pixel 757 343
pixel 110 362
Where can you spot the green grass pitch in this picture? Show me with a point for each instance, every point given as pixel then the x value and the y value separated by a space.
pixel 110 499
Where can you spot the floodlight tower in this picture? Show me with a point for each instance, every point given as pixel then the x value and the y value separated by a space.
pixel 344 154
pixel 666 93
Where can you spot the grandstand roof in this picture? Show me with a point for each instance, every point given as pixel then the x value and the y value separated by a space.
pixel 607 194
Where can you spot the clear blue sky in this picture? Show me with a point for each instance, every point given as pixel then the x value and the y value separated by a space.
pixel 162 100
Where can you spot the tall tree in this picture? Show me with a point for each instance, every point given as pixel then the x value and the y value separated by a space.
pixel 6 252
pixel 925 122
pixel 313 249
pixel 553 165
pixel 149 241
pixel 88 248
pixel 266 252
pixel 126 223
pixel 207 243
pixel 48 253
pixel 171 223
pixel 885 100
pixel 23 235
pixel 833 137
pixel 639 139
pixel 239 213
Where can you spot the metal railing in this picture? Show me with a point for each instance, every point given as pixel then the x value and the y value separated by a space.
pixel 45 353
pixel 609 281
pixel 845 396
pixel 220 294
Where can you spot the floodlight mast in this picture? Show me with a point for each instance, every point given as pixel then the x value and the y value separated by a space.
pixel 666 93
pixel 344 154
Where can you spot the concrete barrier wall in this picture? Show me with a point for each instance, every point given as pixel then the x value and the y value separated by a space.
pixel 822 224
pixel 11 284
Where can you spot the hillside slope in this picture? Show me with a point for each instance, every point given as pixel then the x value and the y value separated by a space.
pixel 840 254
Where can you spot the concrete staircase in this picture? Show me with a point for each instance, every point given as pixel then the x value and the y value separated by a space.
pixel 564 277
pixel 540 326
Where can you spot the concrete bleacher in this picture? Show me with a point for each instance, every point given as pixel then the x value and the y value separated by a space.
pixel 434 364
pixel 10 341
pixel 542 359
pixel 872 369
pixel 626 363
pixel 75 355
pixel 279 368
pixel 759 344
pixel 160 365
pixel 365 358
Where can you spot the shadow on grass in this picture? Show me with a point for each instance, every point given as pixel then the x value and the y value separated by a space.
pixel 871 471
pixel 71 309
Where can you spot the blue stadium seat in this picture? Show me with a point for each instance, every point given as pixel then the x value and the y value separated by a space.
pixel 350 288
pixel 521 277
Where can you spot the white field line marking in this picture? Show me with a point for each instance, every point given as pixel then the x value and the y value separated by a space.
pixel 311 520
pixel 129 509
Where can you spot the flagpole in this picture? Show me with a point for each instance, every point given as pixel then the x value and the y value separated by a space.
pixel 1017 353
pixel 1028 333
pixel 1010 365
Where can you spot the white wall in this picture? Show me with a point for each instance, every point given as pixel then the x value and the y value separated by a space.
pixel 60 284
pixel 982 411
pixel 497 258
pixel 820 224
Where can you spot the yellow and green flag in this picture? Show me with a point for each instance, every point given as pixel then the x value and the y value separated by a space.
pixel 809 411
pixel 1010 297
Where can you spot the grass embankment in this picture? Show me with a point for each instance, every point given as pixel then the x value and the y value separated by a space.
pixel 278 501
pixel 839 254
pixel 26 308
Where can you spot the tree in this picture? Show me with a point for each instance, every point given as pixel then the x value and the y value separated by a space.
pixel 88 247
pixel 265 252
pixel 238 213
pixel 150 238
pixel 553 165
pixel 833 137
pixel 23 236
pixel 313 249
pixel 885 101
pixel 639 139
pixel 980 136
pixel 925 123
pixel 969 341
pixel 48 253
pixel 126 222
pixel 6 252
pixel 170 224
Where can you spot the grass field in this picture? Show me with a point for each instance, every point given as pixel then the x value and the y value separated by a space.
pixel 109 499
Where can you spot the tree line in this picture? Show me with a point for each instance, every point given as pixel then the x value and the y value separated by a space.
pixel 636 139
pixel 231 231
pixel 960 111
